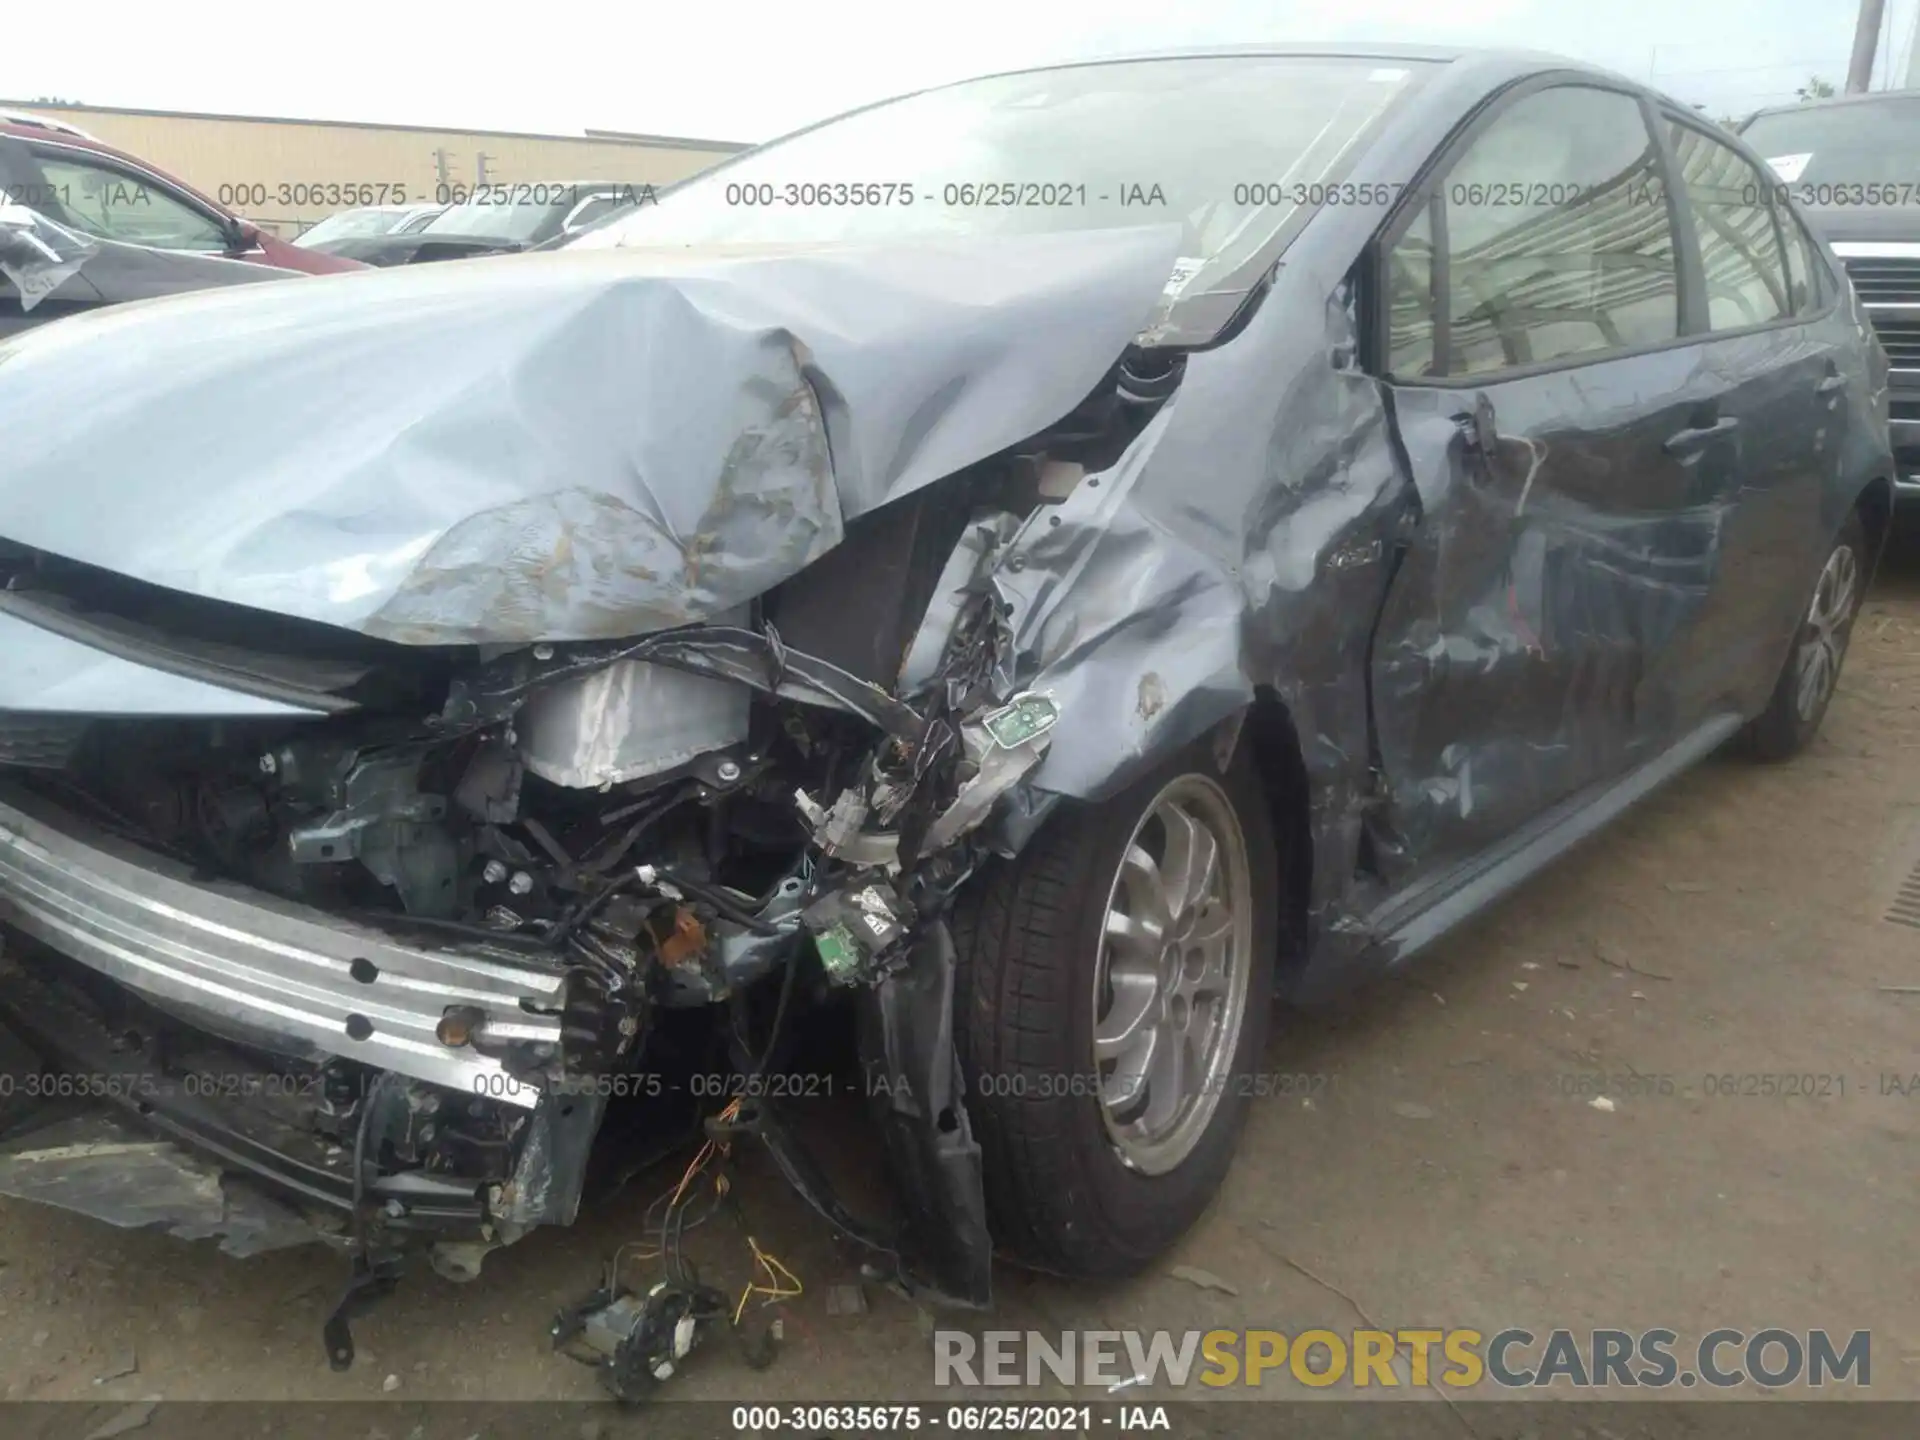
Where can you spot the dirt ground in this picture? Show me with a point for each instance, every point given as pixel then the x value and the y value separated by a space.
pixel 1730 926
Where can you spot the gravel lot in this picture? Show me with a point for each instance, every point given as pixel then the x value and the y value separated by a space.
pixel 1731 926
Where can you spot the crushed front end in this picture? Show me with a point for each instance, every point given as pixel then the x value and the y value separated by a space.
pixel 396 793
pixel 354 941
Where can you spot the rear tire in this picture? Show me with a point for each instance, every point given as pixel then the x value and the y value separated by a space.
pixel 1812 670
pixel 1095 1166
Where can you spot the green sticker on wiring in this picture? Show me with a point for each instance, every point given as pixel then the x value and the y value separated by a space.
pixel 1020 720
pixel 839 955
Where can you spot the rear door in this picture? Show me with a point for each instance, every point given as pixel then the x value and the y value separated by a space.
pixel 1533 345
pixel 1773 381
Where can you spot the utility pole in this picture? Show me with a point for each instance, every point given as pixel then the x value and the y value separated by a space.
pixel 1866 36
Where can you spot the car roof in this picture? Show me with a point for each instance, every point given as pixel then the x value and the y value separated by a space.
pixel 1492 59
pixel 1364 51
pixel 27 120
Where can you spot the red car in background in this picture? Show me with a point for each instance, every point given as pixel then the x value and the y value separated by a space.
pixel 136 232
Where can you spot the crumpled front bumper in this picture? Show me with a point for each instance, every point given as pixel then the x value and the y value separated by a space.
pixel 256 967
pixel 97 1126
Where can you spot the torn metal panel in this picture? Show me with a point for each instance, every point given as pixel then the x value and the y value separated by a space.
pixel 581 445
pixel 1560 581
pixel 964 570
pixel 1001 747
pixel 1240 544
pixel 918 1094
pixel 552 1168
pixel 95 1166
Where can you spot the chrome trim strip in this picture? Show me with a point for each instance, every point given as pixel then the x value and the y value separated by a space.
pixel 251 959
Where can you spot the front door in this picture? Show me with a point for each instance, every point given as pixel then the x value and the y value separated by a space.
pixel 1574 482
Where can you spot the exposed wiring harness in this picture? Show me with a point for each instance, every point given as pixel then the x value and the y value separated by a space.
pixel 786 1285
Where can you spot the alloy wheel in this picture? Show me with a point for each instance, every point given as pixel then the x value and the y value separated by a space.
pixel 1823 640
pixel 1170 988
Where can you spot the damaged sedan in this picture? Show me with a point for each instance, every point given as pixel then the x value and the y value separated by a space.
pixel 1051 564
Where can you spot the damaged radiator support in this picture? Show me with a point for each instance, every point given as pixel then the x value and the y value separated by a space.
pixel 579 945
pixel 465 878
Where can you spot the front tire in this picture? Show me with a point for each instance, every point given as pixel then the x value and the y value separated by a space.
pixel 1808 679
pixel 1113 995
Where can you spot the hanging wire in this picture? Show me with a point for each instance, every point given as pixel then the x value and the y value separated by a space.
pixel 785 1284
pixel 680 1211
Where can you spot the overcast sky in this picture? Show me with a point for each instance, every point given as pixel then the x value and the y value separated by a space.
pixel 750 69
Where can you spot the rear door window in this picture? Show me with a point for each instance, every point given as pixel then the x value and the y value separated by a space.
pixel 1740 252
pixel 1804 265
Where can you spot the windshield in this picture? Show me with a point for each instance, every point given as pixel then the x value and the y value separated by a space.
pixel 1225 146
pixel 352 225
pixel 1841 144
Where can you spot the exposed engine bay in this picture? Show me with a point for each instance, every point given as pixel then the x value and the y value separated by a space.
pixel 726 815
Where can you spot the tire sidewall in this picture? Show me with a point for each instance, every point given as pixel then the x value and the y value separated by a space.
pixel 1140 1214
pixel 1797 729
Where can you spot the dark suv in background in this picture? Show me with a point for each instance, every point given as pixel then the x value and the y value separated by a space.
pixel 1849 163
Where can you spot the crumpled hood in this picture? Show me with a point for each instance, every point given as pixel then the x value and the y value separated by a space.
pixel 576 445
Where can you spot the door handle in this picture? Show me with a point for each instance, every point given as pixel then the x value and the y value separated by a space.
pixel 1479 427
pixel 1830 384
pixel 1685 442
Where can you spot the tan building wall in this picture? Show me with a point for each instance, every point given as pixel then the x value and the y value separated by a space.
pixel 288 174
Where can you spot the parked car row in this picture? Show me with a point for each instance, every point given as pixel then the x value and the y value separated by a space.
pixel 498 220
pixel 446 697
pixel 356 233
pixel 144 233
